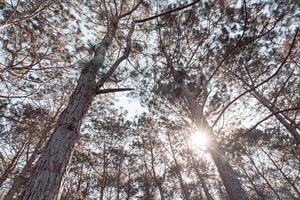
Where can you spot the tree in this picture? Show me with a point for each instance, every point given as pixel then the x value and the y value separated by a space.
pixel 56 157
pixel 221 72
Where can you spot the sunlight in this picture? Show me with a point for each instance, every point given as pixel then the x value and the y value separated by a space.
pixel 199 139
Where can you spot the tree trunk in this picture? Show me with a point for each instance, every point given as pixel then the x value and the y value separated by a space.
pixel 49 173
pixel 232 184
pixel 104 174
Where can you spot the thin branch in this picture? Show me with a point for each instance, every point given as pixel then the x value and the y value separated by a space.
pixel 110 90
pixel 261 121
pixel 166 12
pixel 131 11
pixel 281 88
pixel 263 82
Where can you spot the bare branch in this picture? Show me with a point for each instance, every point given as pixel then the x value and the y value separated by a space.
pixel 111 90
pixel 132 10
pixel 261 83
pixel 166 12
pixel 261 121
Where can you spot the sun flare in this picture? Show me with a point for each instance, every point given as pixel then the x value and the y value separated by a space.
pixel 199 139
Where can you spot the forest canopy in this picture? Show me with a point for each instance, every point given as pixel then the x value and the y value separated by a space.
pixel 145 99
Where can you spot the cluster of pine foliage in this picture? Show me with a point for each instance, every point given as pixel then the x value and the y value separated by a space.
pixel 226 69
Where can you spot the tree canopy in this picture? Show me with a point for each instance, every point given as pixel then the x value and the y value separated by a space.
pixel 144 99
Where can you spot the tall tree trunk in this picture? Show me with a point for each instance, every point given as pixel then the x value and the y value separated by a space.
pixel 51 168
pixel 104 173
pixel 119 180
pixel 232 184
pixel 128 194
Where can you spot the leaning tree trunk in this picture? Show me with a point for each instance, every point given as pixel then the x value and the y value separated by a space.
pixel 51 168
pixel 232 184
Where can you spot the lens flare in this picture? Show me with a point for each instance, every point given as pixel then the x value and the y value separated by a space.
pixel 199 139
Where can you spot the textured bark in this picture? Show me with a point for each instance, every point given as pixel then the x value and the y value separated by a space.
pixel 232 184
pixel 51 168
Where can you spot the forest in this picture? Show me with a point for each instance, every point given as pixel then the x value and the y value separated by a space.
pixel 149 100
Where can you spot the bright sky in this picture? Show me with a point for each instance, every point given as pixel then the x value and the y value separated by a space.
pixel 130 104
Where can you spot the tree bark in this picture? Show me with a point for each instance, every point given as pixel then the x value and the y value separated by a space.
pixel 104 173
pixel 51 168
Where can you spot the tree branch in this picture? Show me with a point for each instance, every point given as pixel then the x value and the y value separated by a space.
pixel 261 83
pixel 110 90
pixel 125 55
pixel 166 12
pixel 261 121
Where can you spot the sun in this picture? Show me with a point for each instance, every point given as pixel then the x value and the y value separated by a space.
pixel 199 139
